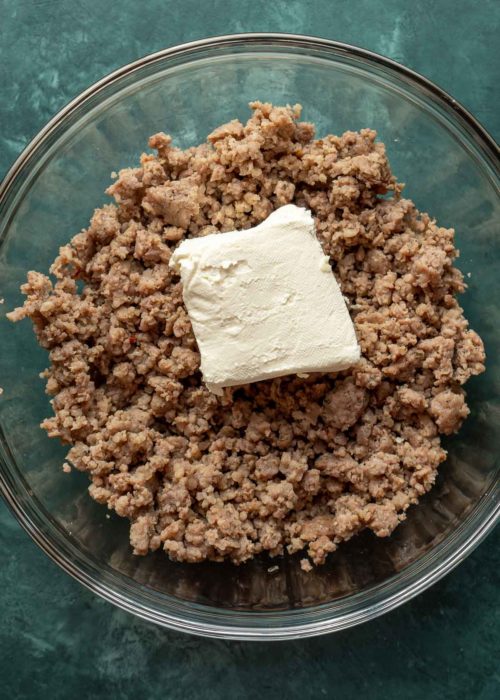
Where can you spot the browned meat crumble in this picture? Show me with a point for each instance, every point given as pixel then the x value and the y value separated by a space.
pixel 288 463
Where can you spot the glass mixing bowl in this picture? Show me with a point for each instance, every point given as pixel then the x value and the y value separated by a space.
pixel 450 166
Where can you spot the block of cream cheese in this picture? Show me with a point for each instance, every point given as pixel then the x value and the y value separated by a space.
pixel 264 302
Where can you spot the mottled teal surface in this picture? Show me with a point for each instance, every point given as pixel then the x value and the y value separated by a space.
pixel 59 641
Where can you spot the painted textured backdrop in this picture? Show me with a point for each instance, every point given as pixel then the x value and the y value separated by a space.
pixel 59 641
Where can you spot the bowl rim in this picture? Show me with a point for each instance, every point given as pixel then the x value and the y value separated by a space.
pixel 371 609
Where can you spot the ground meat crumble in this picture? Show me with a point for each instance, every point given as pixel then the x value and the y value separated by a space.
pixel 291 463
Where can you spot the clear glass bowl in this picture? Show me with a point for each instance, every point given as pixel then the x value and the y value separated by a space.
pixel 450 166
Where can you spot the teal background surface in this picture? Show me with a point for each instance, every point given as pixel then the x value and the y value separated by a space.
pixel 57 640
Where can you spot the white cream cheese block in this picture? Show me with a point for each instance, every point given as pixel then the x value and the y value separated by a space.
pixel 264 302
